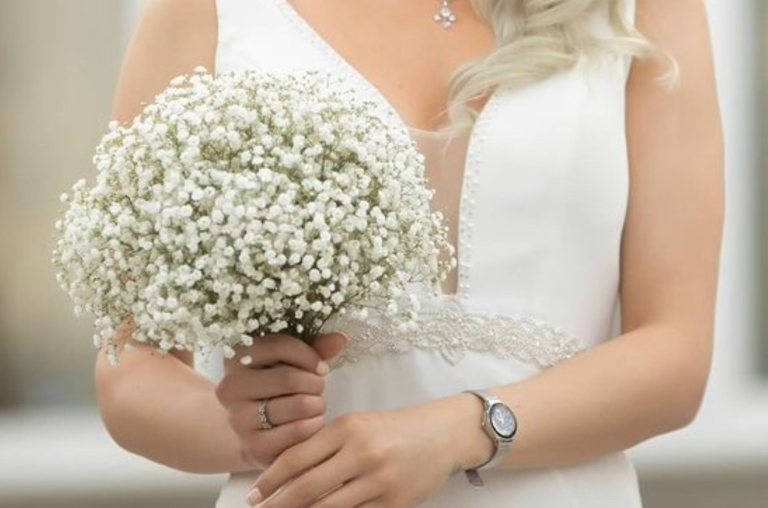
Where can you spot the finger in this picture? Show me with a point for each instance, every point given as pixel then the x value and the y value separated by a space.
pixel 330 345
pixel 296 460
pixel 264 446
pixel 253 385
pixel 282 410
pixel 280 349
pixel 376 503
pixel 354 494
pixel 310 486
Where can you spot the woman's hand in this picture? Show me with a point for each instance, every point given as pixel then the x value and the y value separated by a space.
pixel 388 459
pixel 287 378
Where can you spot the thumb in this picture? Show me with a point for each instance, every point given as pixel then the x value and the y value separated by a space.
pixel 330 344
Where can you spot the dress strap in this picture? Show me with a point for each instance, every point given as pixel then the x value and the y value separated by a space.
pixel 247 30
pixel 630 11
pixel 630 14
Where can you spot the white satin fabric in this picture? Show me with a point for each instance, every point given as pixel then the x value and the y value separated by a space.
pixel 536 197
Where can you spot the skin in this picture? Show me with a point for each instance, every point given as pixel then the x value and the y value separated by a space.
pixel 670 256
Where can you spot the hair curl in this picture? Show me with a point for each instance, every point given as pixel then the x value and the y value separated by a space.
pixel 536 39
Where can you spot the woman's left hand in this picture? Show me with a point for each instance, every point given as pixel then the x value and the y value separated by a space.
pixel 386 459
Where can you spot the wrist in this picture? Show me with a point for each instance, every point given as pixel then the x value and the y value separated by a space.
pixel 468 442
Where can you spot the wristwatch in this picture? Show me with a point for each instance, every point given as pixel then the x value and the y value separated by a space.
pixel 499 423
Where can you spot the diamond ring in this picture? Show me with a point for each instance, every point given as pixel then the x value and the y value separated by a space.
pixel 264 422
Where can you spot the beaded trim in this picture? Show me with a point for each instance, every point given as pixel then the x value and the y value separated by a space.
pixel 469 190
pixel 452 332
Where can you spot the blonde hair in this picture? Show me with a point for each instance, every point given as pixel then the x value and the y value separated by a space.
pixel 536 39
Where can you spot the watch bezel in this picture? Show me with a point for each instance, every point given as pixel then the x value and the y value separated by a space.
pixel 500 433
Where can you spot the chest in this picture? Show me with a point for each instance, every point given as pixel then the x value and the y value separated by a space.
pixel 398 47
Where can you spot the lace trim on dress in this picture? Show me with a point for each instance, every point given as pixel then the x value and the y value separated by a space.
pixel 452 332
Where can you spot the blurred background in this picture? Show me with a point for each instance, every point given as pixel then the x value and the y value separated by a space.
pixel 58 67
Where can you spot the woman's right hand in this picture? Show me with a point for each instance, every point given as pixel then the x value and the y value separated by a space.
pixel 288 376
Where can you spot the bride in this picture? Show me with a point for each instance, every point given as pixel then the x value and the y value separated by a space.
pixel 574 178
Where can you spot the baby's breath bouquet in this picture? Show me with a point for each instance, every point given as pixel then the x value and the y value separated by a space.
pixel 243 204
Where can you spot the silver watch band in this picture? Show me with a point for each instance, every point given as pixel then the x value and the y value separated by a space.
pixel 501 444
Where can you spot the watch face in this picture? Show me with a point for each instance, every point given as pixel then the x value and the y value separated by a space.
pixel 503 421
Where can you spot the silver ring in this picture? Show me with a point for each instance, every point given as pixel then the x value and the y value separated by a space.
pixel 264 422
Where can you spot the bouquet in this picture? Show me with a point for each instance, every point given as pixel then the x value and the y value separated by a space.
pixel 244 204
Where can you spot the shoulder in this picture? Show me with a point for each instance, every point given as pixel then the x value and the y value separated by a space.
pixel 172 38
pixel 662 19
pixel 679 29
pixel 181 19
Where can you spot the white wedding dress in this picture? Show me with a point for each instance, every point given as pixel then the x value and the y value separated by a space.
pixel 537 219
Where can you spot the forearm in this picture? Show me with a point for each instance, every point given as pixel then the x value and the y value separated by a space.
pixel 161 409
pixel 606 400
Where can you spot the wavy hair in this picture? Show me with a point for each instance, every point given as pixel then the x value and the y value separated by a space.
pixel 536 39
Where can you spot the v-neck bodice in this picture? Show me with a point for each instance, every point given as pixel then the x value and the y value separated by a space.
pixel 539 211
pixel 535 197
pixel 447 155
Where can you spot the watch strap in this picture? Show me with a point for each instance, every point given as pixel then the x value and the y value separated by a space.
pixel 501 445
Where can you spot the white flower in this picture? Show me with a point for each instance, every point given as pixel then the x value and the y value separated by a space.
pixel 244 204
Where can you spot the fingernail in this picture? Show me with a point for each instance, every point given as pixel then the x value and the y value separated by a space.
pixel 323 368
pixel 254 497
